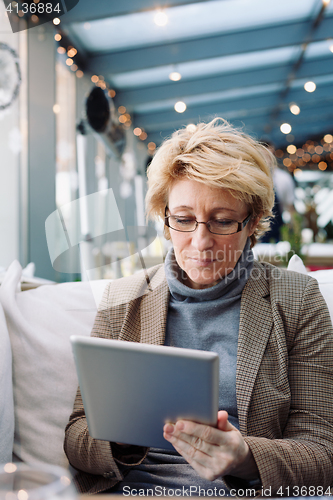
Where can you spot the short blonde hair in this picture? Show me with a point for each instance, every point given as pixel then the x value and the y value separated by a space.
pixel 218 155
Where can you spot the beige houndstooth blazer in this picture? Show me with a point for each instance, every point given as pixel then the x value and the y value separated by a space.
pixel 283 383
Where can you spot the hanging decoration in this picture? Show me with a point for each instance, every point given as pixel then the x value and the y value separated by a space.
pixel 101 116
pixel 10 76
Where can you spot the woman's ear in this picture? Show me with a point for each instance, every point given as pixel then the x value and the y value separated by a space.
pixel 254 223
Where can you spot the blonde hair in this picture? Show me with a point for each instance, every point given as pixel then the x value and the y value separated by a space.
pixel 218 155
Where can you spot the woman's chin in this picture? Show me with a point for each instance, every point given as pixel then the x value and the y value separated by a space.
pixel 197 280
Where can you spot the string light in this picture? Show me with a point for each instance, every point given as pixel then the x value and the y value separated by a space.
pixel 285 128
pixel 160 18
pixel 180 107
pixel 294 109
pixel 10 467
pixel 291 149
pixel 310 86
pixel 71 52
pixel 57 37
pixel 22 495
pixel 191 127
pixel 56 21
pixel 175 76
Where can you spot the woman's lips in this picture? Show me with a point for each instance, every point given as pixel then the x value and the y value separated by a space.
pixel 202 262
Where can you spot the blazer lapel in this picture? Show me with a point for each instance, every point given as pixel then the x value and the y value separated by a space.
pixel 154 310
pixel 255 327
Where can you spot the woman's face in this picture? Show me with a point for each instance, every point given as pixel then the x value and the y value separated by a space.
pixel 205 257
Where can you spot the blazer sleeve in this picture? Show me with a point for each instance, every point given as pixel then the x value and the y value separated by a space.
pixel 93 456
pixel 303 457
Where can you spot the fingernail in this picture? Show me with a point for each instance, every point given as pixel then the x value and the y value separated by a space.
pixel 169 428
pixel 180 425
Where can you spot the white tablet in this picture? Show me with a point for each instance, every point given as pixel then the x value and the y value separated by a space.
pixel 131 390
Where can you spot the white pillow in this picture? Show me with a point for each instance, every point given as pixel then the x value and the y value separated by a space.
pixel 6 394
pixel 324 278
pixel 40 322
pixel 296 264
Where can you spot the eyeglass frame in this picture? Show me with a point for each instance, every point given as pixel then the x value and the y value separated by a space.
pixel 241 225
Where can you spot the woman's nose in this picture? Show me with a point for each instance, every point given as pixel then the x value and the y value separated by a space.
pixel 202 238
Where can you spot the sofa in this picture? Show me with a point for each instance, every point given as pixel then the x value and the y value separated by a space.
pixel 37 373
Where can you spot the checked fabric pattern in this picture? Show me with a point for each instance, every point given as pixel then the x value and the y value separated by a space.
pixel 283 382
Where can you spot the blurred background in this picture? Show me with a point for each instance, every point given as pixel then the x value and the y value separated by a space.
pixel 89 90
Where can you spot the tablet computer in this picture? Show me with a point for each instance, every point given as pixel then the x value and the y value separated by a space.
pixel 130 390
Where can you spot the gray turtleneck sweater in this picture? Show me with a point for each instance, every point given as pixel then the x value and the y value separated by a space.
pixel 205 319
pixel 208 319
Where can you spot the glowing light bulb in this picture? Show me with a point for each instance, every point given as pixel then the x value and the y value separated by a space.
pixel 294 109
pixel 310 86
pixel 285 128
pixel 291 149
pixel 180 107
pixel 160 18
pixel 175 76
pixel 191 127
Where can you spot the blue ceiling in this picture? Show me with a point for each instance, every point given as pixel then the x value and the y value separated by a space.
pixel 243 60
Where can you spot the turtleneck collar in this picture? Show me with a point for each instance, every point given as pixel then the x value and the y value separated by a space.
pixel 231 285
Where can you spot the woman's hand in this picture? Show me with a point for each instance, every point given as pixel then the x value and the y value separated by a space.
pixel 212 452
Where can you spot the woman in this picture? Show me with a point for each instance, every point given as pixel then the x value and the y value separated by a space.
pixel 270 327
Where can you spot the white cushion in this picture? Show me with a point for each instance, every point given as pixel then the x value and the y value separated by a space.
pixel 324 278
pixel 296 264
pixel 6 394
pixel 40 322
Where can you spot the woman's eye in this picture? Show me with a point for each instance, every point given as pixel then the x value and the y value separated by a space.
pixel 184 221
pixel 224 222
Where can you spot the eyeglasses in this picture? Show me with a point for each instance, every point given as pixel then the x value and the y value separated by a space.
pixel 186 224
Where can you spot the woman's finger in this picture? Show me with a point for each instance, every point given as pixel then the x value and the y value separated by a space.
pixel 195 434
